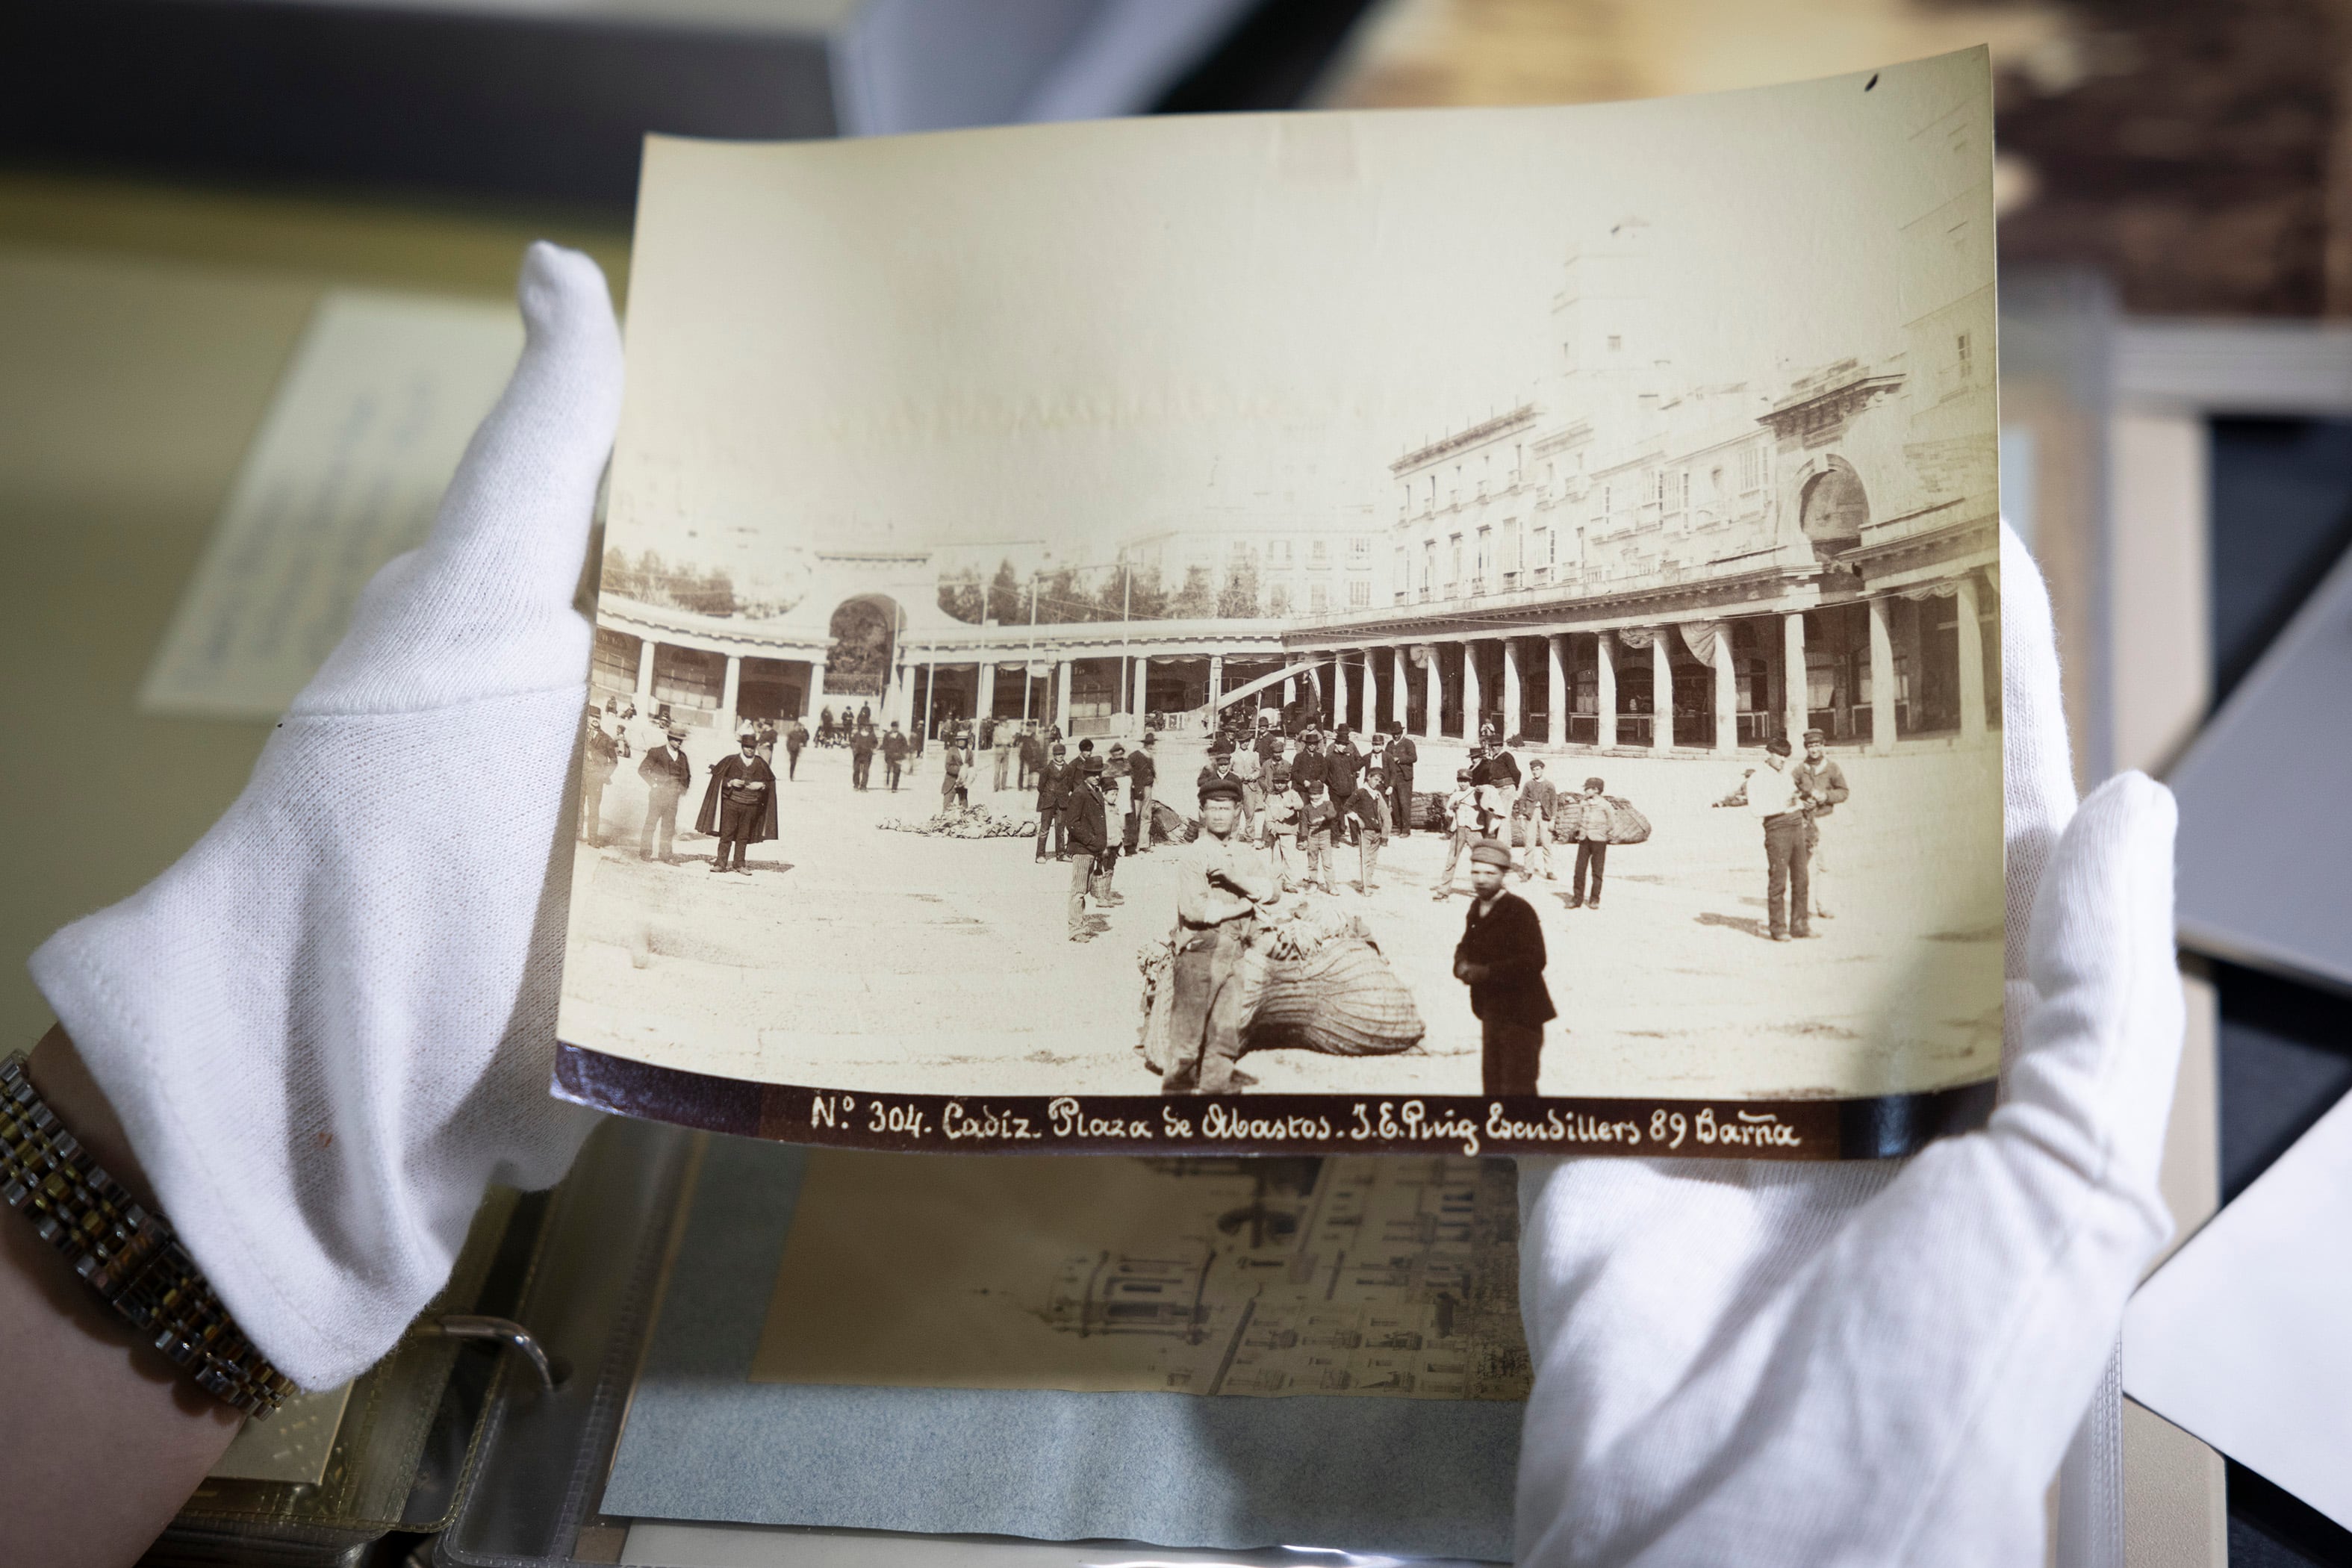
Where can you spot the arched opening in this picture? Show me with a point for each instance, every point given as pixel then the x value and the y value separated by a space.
pixel 1833 508
pixel 864 632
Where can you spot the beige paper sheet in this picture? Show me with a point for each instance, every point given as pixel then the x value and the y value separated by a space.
pixel 1393 1277
pixel 366 428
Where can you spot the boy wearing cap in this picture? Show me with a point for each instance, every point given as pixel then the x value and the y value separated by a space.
pixel 1501 958
pixel 1462 815
pixel 1283 810
pixel 738 805
pixel 1250 768
pixel 1314 830
pixel 666 773
pixel 1587 815
pixel 1218 890
pixel 1823 783
pixel 1537 802
pixel 1368 810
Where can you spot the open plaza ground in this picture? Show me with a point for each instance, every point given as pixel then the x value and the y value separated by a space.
pixel 856 957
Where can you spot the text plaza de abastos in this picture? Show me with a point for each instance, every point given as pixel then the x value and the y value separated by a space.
pixel 1607 566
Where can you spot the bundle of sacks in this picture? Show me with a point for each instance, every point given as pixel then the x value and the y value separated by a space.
pixel 967 822
pixel 1314 979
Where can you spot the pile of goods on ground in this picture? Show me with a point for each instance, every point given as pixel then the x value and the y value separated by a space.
pixel 1170 826
pixel 967 822
pixel 1312 979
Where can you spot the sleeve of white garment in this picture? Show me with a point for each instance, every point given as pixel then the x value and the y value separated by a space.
pixel 330 1025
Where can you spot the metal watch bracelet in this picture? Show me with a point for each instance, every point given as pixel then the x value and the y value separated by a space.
pixel 129 1256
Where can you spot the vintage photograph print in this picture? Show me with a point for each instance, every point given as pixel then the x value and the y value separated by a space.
pixel 1452 631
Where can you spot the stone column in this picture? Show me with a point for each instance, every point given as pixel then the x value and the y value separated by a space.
pixel 1661 689
pixel 1882 675
pixel 1339 687
pixel 1470 693
pixel 1604 694
pixel 730 690
pixel 1401 668
pixel 645 674
pixel 1142 683
pixel 1795 712
pixel 930 694
pixel 815 699
pixel 1972 680
pixel 983 705
pixel 1514 688
pixel 1433 698
pixel 1556 688
pixel 1062 700
pixel 1727 692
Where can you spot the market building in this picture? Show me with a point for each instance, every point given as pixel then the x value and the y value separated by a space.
pixel 1633 557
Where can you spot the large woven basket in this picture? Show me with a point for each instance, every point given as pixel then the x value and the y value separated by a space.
pixel 1342 999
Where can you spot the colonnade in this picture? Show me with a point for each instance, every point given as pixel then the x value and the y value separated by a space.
pixel 1543 664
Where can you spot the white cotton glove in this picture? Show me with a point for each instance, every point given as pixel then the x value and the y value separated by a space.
pixel 1881 1363
pixel 331 1024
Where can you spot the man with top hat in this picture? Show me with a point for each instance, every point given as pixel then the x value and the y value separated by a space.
pixel 1219 887
pixel 1823 783
pixel 666 773
pixel 894 755
pixel 1310 769
pixel 597 766
pixel 738 805
pixel 1143 776
pixel 1403 755
pixel 862 741
pixel 1052 784
pixel 1365 809
pixel 796 737
pixel 1085 820
pixel 1501 959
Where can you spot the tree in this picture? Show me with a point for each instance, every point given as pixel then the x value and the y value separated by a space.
pixel 961 596
pixel 1006 601
pixel 1238 598
pixel 1146 599
pixel 1195 599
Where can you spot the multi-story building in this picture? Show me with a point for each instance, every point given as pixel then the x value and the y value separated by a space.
pixel 1633 556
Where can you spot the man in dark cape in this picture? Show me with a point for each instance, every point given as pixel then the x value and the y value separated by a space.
pixel 738 806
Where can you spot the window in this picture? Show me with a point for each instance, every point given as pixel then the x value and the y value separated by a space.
pixel 1510 562
pixel 1428 567
pixel 1277 599
pixel 1682 500
pixel 1485 559
pixel 1455 581
pixel 1322 554
pixel 1278 552
pixel 1656 482
pixel 1359 551
pixel 1400 577
pixel 1615 342
pixel 1751 469
pixel 1318 599
pixel 1359 593
pixel 1607 502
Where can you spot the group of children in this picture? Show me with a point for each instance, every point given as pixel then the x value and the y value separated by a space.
pixel 1480 809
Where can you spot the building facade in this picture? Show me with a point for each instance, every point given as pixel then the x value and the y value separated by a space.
pixel 1633 557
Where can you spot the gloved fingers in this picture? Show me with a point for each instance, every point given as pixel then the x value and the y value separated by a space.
pixel 2038 772
pixel 485 607
pixel 2092 1081
pixel 518 509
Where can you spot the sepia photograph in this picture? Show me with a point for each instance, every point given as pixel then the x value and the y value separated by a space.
pixel 1471 631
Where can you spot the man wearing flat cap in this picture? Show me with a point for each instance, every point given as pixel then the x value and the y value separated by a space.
pixel 1219 887
pixel 1501 959
pixel 666 773
pixel 740 803
pixel 1773 795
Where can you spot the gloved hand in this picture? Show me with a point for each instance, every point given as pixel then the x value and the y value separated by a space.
pixel 1881 1363
pixel 331 1024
